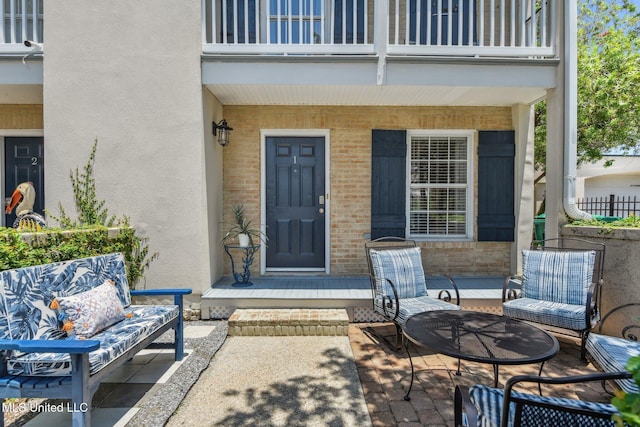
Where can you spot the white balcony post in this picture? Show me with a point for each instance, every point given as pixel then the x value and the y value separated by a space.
pixel 34 16
pixel 12 20
pixel 204 21
pixel 381 36
pixel 2 24
pixel 25 21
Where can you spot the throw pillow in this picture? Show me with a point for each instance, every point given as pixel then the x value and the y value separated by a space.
pixel 87 313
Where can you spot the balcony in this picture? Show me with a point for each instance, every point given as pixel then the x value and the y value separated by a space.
pixel 22 20
pixel 474 28
pixel 419 52
pixel 455 28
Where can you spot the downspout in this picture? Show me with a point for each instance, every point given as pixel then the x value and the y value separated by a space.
pixel 571 111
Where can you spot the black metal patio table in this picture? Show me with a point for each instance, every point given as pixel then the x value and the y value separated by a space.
pixel 479 337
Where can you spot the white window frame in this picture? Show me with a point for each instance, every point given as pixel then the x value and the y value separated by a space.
pixel 470 199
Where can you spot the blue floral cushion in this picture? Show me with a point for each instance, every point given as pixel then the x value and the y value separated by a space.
pixel 403 267
pixel 488 402
pixel 611 354
pixel 563 277
pixel 114 341
pixel 27 293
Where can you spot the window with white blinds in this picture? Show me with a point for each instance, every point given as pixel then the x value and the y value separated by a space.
pixel 440 197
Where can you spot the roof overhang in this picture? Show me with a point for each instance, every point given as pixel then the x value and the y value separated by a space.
pixel 353 80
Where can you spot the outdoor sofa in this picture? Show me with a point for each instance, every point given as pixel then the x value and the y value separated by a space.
pixel 64 327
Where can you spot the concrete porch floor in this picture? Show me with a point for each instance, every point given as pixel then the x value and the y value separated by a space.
pixel 350 292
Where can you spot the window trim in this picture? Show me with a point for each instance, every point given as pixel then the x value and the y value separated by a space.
pixel 470 193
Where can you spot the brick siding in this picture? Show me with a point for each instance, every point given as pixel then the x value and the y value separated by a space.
pixel 350 157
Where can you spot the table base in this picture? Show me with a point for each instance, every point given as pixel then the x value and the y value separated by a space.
pixel 459 373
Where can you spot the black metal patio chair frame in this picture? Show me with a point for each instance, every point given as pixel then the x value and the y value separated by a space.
pixel 530 409
pixel 391 302
pixel 513 285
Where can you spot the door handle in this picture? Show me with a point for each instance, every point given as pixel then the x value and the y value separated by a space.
pixel 321 210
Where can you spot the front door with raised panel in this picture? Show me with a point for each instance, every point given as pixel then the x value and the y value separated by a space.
pixel 24 162
pixel 295 203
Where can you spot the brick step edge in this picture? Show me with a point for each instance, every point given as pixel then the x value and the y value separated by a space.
pixel 289 322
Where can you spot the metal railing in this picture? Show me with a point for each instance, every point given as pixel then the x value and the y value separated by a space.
pixel 402 27
pixel 610 206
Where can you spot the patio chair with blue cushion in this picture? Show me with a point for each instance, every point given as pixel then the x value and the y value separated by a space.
pixel 481 405
pixel 559 288
pixel 399 285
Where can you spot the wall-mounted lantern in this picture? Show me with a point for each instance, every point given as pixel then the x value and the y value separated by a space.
pixel 222 130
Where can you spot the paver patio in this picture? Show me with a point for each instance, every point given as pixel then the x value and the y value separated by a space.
pixel 385 375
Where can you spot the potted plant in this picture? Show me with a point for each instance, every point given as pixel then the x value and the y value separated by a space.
pixel 243 229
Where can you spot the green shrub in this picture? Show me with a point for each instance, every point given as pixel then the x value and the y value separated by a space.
pixel 85 236
pixel 629 403
pixel 631 221
pixel 52 245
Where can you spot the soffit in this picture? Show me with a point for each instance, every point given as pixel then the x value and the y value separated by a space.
pixel 258 94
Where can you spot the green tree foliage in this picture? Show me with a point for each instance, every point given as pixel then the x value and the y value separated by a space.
pixel 54 245
pixel 608 81
pixel 629 403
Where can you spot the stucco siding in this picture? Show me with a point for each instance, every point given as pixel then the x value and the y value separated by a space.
pixel 128 74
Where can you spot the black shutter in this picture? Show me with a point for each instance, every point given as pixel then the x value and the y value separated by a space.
pixel 496 219
pixel 388 181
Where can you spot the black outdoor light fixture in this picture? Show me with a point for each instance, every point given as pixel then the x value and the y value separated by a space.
pixel 222 129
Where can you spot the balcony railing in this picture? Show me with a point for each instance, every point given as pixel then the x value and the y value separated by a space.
pixel 396 27
pixel 22 20
pixel 516 28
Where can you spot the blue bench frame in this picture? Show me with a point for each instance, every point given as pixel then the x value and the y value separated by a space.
pixel 80 386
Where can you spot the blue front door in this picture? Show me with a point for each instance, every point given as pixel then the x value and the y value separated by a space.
pixel 295 203
pixel 24 162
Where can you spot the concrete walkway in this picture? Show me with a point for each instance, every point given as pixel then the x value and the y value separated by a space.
pixel 277 381
pixel 145 391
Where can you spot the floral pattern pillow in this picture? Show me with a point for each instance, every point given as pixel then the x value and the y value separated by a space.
pixel 87 313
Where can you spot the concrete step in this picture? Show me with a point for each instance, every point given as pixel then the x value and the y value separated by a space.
pixel 289 322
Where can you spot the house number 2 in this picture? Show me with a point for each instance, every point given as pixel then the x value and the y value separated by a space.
pixel 34 161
